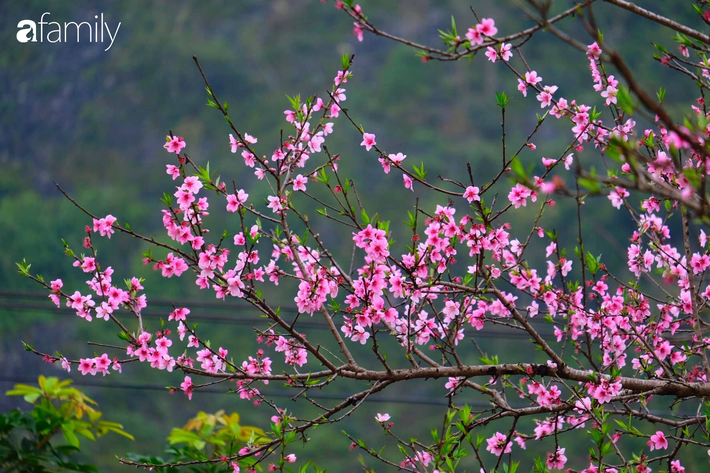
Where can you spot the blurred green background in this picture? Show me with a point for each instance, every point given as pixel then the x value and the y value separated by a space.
pixel 95 122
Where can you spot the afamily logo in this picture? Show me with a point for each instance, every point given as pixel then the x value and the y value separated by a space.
pixel 55 32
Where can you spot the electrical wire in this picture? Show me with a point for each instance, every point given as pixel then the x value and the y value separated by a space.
pixel 270 393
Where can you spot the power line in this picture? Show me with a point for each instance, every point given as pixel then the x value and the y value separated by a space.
pixel 155 315
pixel 222 305
pixel 280 393
pixel 14 295
pixel 158 301
pixel 493 333
pixel 287 394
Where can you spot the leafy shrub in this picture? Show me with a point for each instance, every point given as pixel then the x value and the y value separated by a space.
pixel 29 439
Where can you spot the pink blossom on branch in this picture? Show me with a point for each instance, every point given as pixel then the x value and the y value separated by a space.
pixel 461 268
pixel 499 444
pixel 174 144
pixel 658 441
pixel 368 141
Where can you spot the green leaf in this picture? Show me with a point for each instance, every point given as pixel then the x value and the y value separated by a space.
pixel 595 114
pixel 503 99
pixel 517 167
pixel 412 220
pixel 625 101
pixel 185 436
pixel 70 436
pixel 593 263
pixel 29 393
pixel 591 184
pixel 23 268
pixel 419 172
pixel 167 199
pixel 661 94
pixel 295 101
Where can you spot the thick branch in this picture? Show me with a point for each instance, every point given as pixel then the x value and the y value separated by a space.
pixel 662 20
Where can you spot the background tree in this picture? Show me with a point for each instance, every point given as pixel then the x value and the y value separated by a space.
pixel 30 440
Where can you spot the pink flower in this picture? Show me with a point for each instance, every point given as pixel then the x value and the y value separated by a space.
pixel 565 266
pixel 173 171
pixel 175 144
pixel 56 285
pixel 248 158
pixel 519 194
pixel 471 194
pixel 604 391
pixel 368 141
pixel 102 363
pixel 678 357
pixel 550 249
pixel 594 51
pixel 290 458
pixel 187 387
pixel 451 310
pixel 408 183
pixel 658 441
pixel 557 460
pixel 360 334
pixel 453 383
pixel 487 27
pixel 545 97
pixel 610 95
pixel 505 53
pixel 491 54
pixel 499 444
pixel 341 77
pixel 192 184
pixel 234 144
pixel 275 204
pixel 699 263
pixel 523 87
pixel 474 36
pixel 617 196
pixel 234 201
pixel 398 158
pixel 382 418
pixel 184 198
pixel 299 183
pixel 532 78
pixel 86 366
pixel 568 160
pixel 357 31
pixel 172 266
pixel 179 314
pixel 88 265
